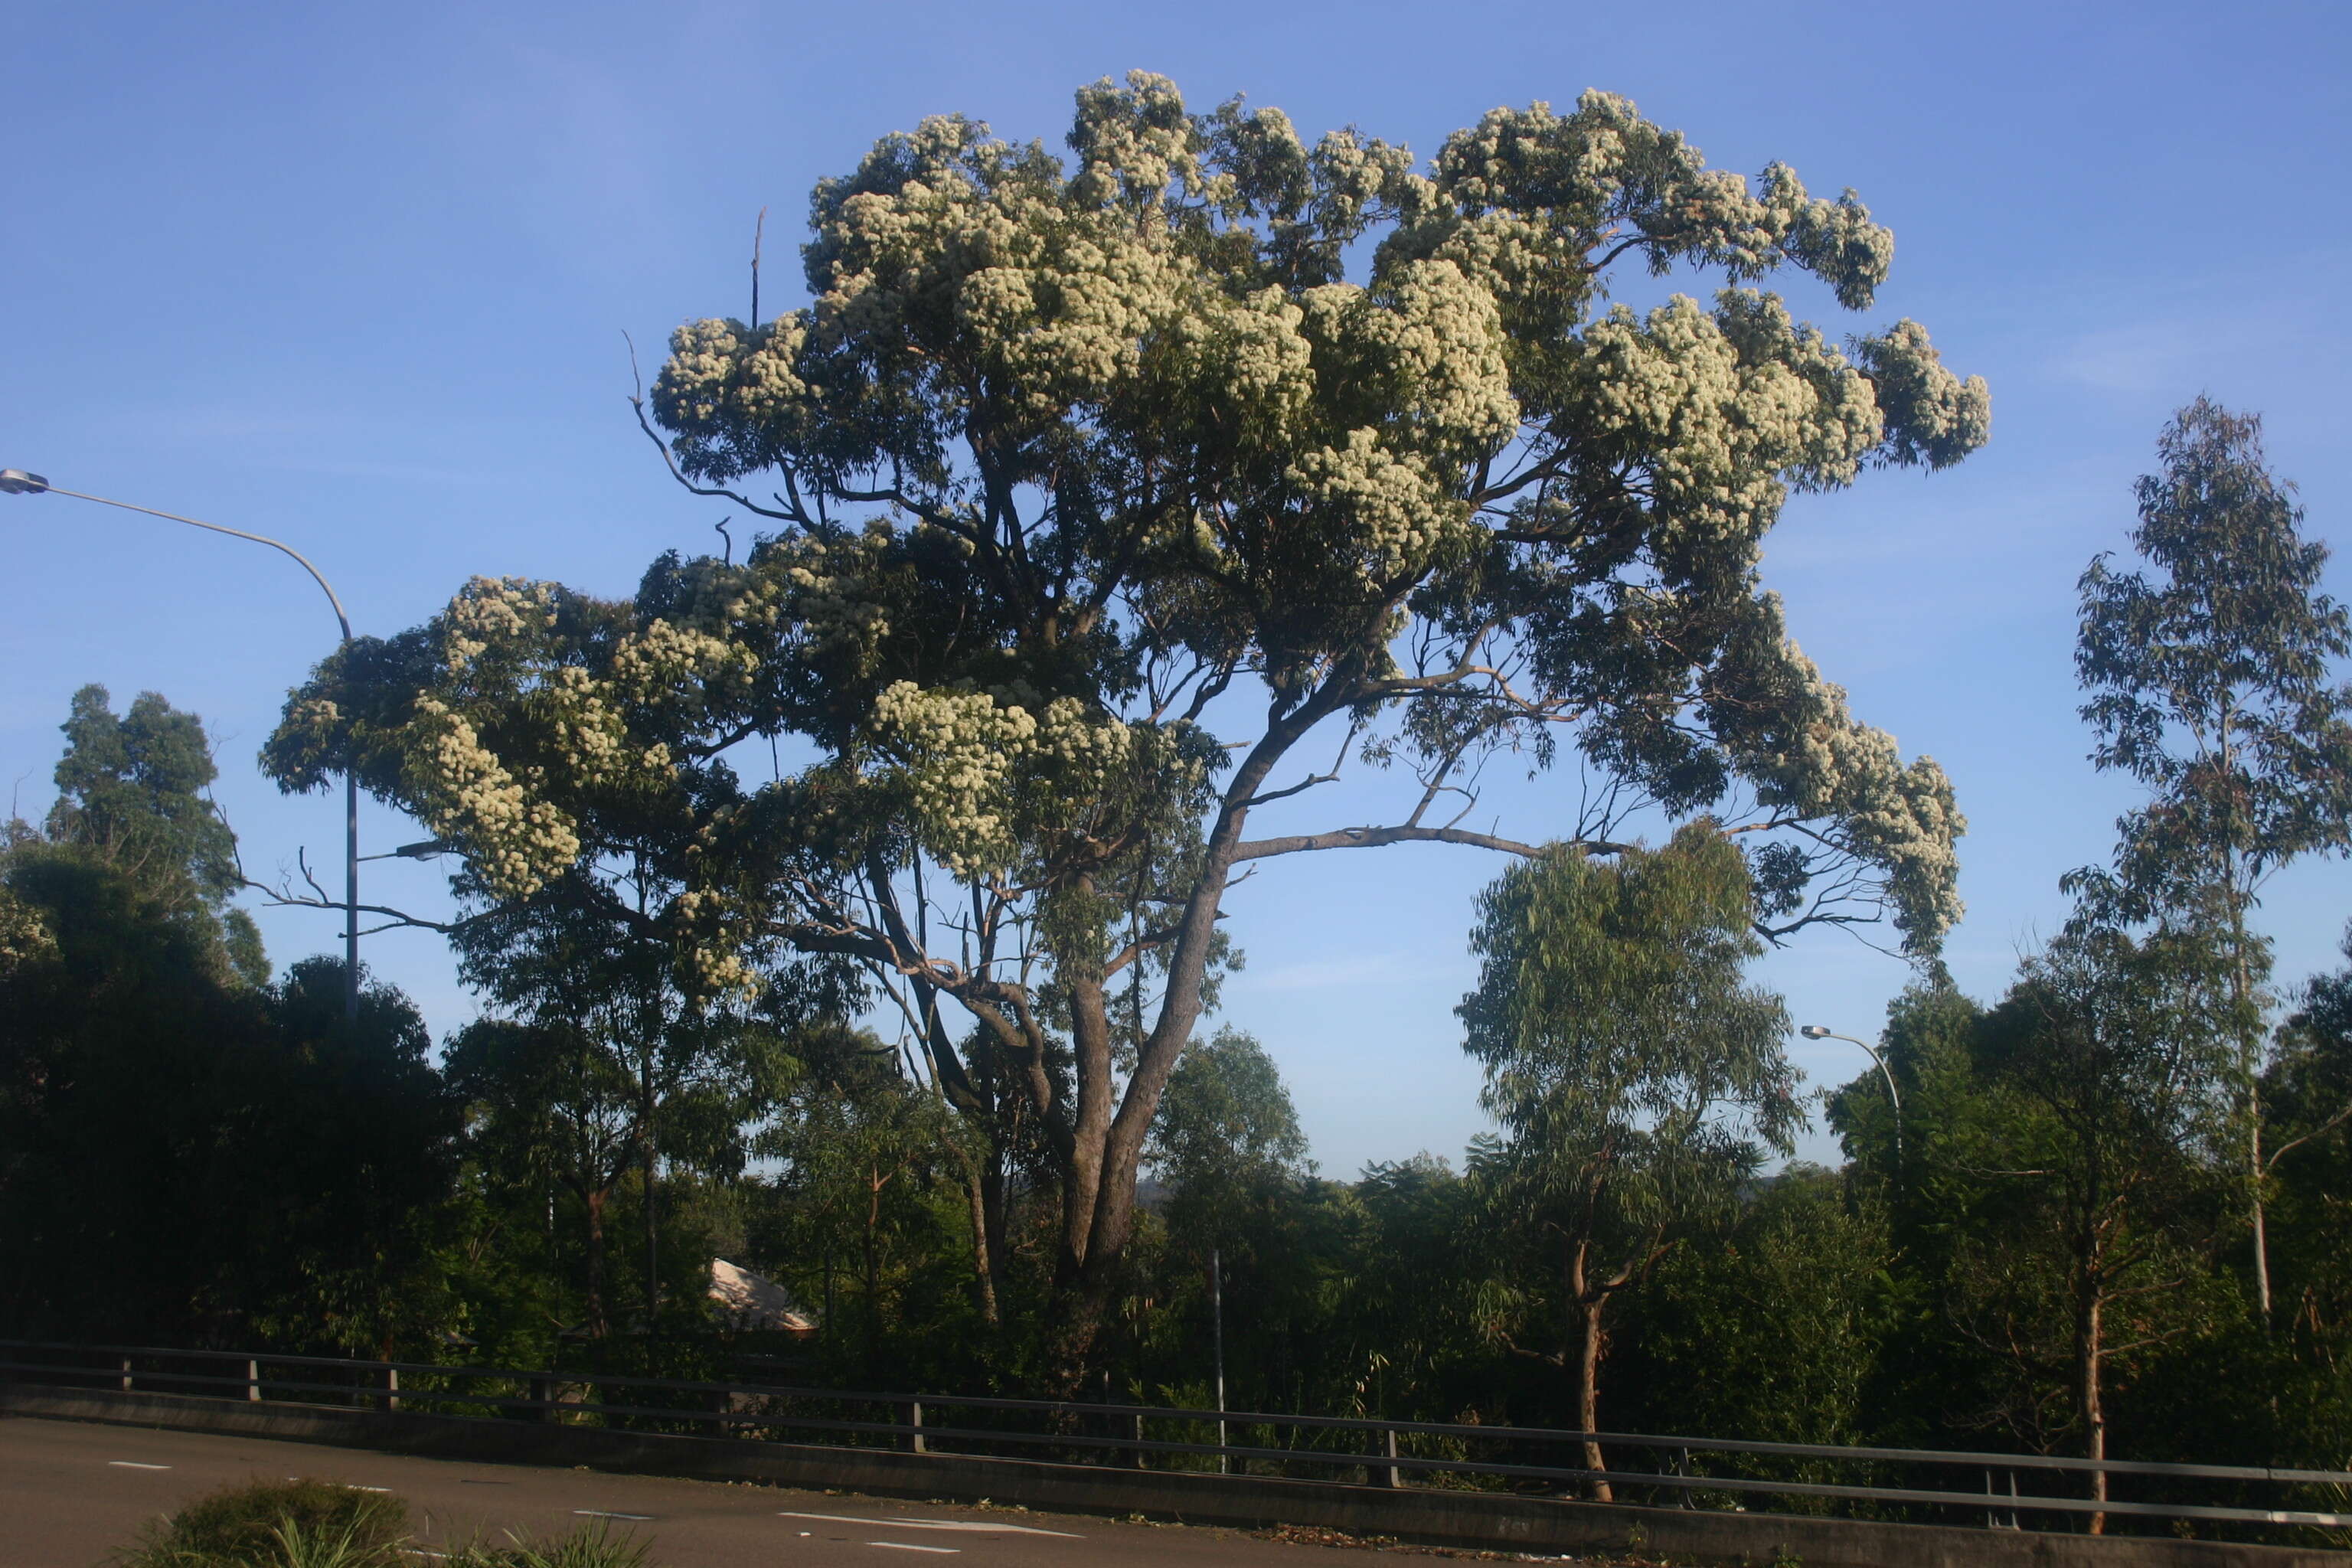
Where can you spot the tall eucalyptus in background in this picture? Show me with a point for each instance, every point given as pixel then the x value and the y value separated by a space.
pixel 2211 683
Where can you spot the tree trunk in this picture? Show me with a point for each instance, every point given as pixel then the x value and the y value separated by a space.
pixel 646 1160
pixel 875 1183
pixel 2089 1355
pixel 594 1203
pixel 1588 1391
pixel 983 1251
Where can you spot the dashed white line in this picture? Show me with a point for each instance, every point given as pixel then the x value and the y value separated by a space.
pixel 135 1465
pixel 903 1546
pixel 973 1527
pixel 600 1513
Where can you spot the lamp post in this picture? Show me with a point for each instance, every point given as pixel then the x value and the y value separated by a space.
pixel 17 481
pixel 1816 1032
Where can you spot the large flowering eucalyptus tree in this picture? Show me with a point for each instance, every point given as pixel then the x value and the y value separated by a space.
pixel 1104 489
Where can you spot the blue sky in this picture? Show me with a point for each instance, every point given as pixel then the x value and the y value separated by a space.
pixel 359 277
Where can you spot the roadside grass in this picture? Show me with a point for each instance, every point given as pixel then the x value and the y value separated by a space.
pixel 320 1524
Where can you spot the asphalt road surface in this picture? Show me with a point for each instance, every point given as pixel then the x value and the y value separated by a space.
pixel 71 1492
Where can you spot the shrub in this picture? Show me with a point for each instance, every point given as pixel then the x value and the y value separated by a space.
pixel 590 1546
pixel 279 1524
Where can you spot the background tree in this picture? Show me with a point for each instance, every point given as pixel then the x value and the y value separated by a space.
pixel 185 1150
pixel 2095 1214
pixel 2212 685
pixel 1101 491
pixel 648 1051
pixel 1774 1331
pixel 1633 1072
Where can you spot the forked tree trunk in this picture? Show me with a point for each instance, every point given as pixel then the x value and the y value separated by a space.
pixel 1591 1346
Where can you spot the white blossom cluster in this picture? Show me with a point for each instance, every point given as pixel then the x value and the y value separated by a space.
pixel 514 842
pixel 994 777
pixel 492 611
pixel 1901 819
pixel 25 938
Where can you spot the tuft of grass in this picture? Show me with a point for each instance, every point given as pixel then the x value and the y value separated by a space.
pixel 277 1524
pixel 590 1546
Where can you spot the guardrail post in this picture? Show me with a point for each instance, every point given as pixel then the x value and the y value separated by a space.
pixel 2012 1505
pixel 1387 1474
pixel 1681 1467
pixel 126 1374
pixel 1138 1458
pixel 915 1427
pixel 391 1388
pixel 542 1400
pixel 253 1380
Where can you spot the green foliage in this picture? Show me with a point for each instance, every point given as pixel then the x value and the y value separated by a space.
pixel 279 1524
pixel 1774 1329
pixel 590 1546
pixel 1060 453
pixel 2210 681
pixel 186 1152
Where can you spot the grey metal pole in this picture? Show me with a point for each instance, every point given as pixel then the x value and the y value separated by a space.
pixel 17 481
pixel 1217 1318
pixel 1816 1032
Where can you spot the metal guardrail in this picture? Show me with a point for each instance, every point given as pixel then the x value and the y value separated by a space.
pixel 1384 1451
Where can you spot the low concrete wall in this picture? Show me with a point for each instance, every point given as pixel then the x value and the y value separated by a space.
pixel 1437 1518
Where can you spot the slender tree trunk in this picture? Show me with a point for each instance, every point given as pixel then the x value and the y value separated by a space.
pixel 2089 1356
pixel 984 1267
pixel 593 1201
pixel 647 1158
pixel 2246 1021
pixel 875 1180
pixel 1589 1305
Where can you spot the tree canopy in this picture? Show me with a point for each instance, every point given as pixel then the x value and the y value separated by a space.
pixel 1100 485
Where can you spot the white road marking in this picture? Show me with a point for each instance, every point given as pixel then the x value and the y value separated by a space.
pixel 135 1465
pixel 600 1513
pixel 902 1546
pixel 969 1526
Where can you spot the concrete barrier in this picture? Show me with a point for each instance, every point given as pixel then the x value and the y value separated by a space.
pixel 1478 1520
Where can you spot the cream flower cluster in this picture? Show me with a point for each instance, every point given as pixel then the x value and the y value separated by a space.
pixel 26 939
pixel 1399 510
pixel 489 611
pixel 991 774
pixel 723 370
pixel 668 660
pixel 1903 820
pixel 515 843
pixel 958 750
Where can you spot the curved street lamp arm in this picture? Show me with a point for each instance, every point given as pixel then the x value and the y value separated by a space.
pixel 303 561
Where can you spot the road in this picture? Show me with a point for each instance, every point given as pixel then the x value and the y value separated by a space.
pixel 70 1492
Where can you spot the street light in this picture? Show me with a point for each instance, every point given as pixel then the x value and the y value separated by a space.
pixel 17 482
pixel 1816 1032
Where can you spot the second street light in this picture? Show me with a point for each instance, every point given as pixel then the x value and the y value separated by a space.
pixel 17 481
pixel 1816 1032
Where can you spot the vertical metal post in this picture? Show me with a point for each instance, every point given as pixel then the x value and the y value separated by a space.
pixel 350 881
pixel 391 1388
pixel 1992 1519
pixel 253 1380
pixel 126 1374
pixel 2012 1502
pixel 1217 1319
pixel 1681 1467
pixel 1387 1474
pixel 915 1422
pixel 1134 1429
pixel 542 1397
